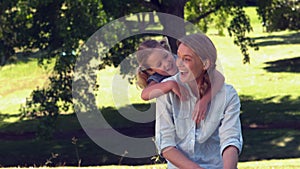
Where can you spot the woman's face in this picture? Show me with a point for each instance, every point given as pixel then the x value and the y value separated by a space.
pixel 162 62
pixel 189 64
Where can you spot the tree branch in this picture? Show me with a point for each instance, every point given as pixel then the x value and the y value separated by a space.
pixel 205 14
pixel 153 4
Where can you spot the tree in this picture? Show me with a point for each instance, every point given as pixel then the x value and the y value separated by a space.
pixel 57 28
pixel 279 15
pixel 8 36
pixel 198 12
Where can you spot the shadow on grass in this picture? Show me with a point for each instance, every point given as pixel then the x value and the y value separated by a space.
pixel 266 113
pixel 19 146
pixel 292 38
pixel 261 144
pixel 270 130
pixel 284 65
pixel 7 116
pixel 25 57
pixel 119 121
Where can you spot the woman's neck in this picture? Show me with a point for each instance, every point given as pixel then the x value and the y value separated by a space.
pixel 195 85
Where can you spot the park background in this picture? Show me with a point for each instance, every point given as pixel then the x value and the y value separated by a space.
pixel 268 87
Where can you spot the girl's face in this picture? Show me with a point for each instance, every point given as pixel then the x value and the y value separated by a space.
pixel 162 62
pixel 189 64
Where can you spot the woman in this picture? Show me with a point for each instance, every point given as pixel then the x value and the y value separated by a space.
pixel 156 63
pixel 217 141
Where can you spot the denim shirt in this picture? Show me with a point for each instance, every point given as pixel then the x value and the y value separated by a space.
pixel 204 143
pixel 156 78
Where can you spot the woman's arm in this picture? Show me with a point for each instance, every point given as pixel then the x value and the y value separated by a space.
pixel 178 159
pixel 154 90
pixel 230 131
pixel 201 105
pixel 230 157
pixel 165 134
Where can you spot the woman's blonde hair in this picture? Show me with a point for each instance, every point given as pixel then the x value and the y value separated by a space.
pixel 203 47
pixel 144 51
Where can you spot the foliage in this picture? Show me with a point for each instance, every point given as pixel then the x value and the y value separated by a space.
pixel 240 30
pixel 279 14
pixel 8 31
pixel 58 27
pixel 203 12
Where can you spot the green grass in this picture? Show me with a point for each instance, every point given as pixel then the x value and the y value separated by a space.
pixel 264 164
pixel 17 81
pixel 271 164
pixel 268 88
pixel 255 79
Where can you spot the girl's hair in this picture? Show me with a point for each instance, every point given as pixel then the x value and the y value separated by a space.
pixel 203 47
pixel 144 51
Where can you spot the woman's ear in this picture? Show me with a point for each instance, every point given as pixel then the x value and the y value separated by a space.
pixel 206 64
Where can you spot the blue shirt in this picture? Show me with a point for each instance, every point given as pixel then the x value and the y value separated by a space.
pixel 202 144
pixel 156 78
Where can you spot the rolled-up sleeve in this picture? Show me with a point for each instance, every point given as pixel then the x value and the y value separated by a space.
pixel 164 127
pixel 230 130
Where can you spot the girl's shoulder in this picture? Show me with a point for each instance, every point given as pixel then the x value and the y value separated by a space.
pixel 156 78
pixel 175 56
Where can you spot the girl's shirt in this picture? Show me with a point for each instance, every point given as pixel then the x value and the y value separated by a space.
pixel 156 78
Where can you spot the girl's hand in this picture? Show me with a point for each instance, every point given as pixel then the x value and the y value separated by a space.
pixel 199 111
pixel 180 91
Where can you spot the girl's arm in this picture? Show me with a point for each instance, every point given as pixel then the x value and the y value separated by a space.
pixel 201 105
pixel 154 89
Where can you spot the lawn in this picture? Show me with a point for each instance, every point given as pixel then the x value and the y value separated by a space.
pixel 17 81
pixel 264 164
pixel 268 88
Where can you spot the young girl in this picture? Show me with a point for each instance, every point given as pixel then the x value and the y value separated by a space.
pixel 156 63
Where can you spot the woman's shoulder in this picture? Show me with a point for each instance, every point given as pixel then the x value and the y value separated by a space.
pixel 231 92
pixel 174 78
pixel 229 88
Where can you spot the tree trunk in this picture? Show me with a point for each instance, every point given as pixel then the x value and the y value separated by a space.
pixel 174 27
